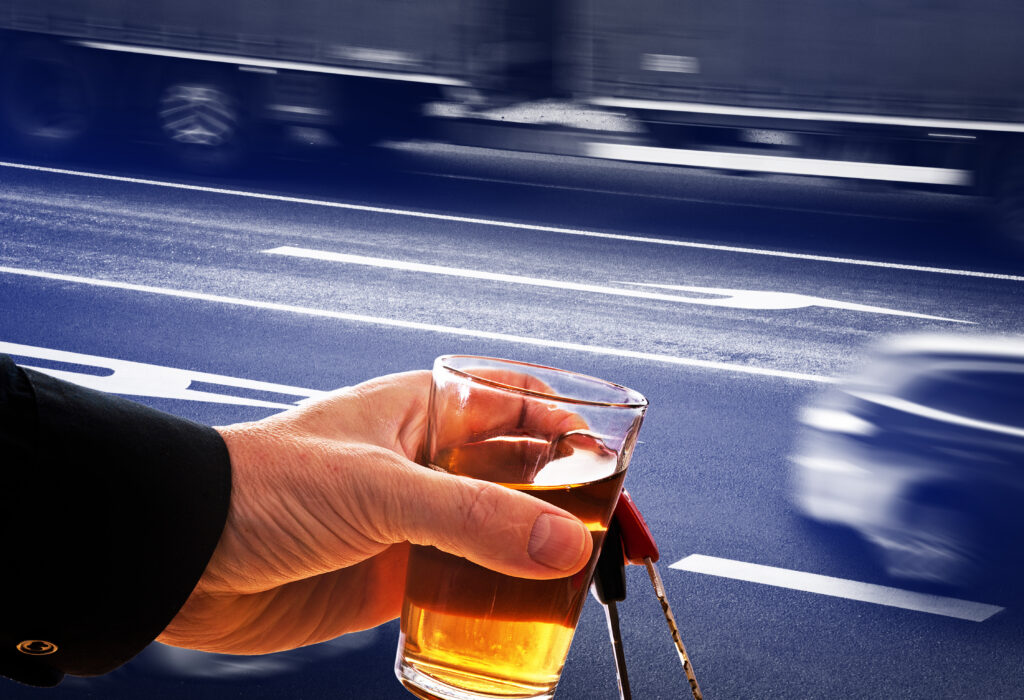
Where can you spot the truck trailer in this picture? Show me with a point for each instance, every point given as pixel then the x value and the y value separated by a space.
pixel 924 93
pixel 213 78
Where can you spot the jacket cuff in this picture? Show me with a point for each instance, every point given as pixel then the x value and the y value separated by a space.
pixel 116 510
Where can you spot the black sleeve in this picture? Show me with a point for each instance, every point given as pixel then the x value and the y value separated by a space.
pixel 110 513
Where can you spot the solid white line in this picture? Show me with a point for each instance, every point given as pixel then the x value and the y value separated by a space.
pixel 729 298
pixel 761 163
pixel 248 61
pixel 837 587
pixel 847 117
pixel 511 224
pixel 415 325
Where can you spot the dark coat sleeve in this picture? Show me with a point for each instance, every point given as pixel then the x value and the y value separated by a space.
pixel 110 513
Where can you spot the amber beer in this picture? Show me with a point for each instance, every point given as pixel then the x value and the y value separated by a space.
pixel 497 635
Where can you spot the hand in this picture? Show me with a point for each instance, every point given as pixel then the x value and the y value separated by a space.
pixel 325 501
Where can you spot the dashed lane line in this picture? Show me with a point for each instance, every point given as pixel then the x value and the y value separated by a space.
pixel 514 224
pixel 837 587
pixel 416 325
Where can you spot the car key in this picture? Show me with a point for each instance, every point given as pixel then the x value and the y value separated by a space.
pixel 639 548
pixel 609 587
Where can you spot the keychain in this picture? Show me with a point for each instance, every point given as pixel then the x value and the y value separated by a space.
pixel 629 541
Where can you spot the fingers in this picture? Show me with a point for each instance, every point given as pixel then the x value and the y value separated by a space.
pixel 338 468
pixel 501 529
pixel 492 410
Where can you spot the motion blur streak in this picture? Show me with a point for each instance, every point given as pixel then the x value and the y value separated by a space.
pixel 933 414
pixel 848 117
pixel 920 453
pixel 781 164
pixel 273 64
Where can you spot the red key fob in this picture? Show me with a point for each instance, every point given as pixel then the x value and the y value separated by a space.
pixel 637 540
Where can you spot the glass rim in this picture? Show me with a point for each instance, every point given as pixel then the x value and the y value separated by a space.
pixel 639 402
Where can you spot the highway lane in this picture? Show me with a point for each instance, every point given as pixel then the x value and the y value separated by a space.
pixel 217 242
pixel 710 473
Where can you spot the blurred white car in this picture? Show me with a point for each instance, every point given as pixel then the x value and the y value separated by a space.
pixel 922 452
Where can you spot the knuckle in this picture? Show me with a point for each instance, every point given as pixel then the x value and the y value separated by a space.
pixel 483 511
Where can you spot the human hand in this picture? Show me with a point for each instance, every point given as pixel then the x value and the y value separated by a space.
pixel 325 501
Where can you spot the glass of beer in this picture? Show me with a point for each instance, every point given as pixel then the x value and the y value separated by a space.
pixel 469 633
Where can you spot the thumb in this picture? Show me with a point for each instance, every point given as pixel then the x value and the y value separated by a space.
pixel 491 525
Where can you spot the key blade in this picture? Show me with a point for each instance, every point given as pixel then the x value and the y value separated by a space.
pixel 611 612
pixel 666 609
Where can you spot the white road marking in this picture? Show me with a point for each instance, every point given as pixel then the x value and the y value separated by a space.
pixel 752 299
pixel 755 162
pixel 514 225
pixel 139 379
pixel 837 587
pixel 415 325
pixel 730 298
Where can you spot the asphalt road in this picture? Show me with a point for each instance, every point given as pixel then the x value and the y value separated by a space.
pixel 727 301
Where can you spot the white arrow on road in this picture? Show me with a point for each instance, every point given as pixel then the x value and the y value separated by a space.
pixel 139 379
pixel 752 299
pixel 731 298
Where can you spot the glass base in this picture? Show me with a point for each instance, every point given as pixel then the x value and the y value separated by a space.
pixel 429 688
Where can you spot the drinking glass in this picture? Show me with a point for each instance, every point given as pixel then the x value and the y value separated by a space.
pixel 469 633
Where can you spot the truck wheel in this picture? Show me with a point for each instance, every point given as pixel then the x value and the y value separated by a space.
pixel 202 124
pixel 49 97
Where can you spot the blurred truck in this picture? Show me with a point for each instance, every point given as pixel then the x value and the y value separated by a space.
pixel 924 92
pixel 214 78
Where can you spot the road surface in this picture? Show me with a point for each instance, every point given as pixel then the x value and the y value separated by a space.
pixel 729 302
